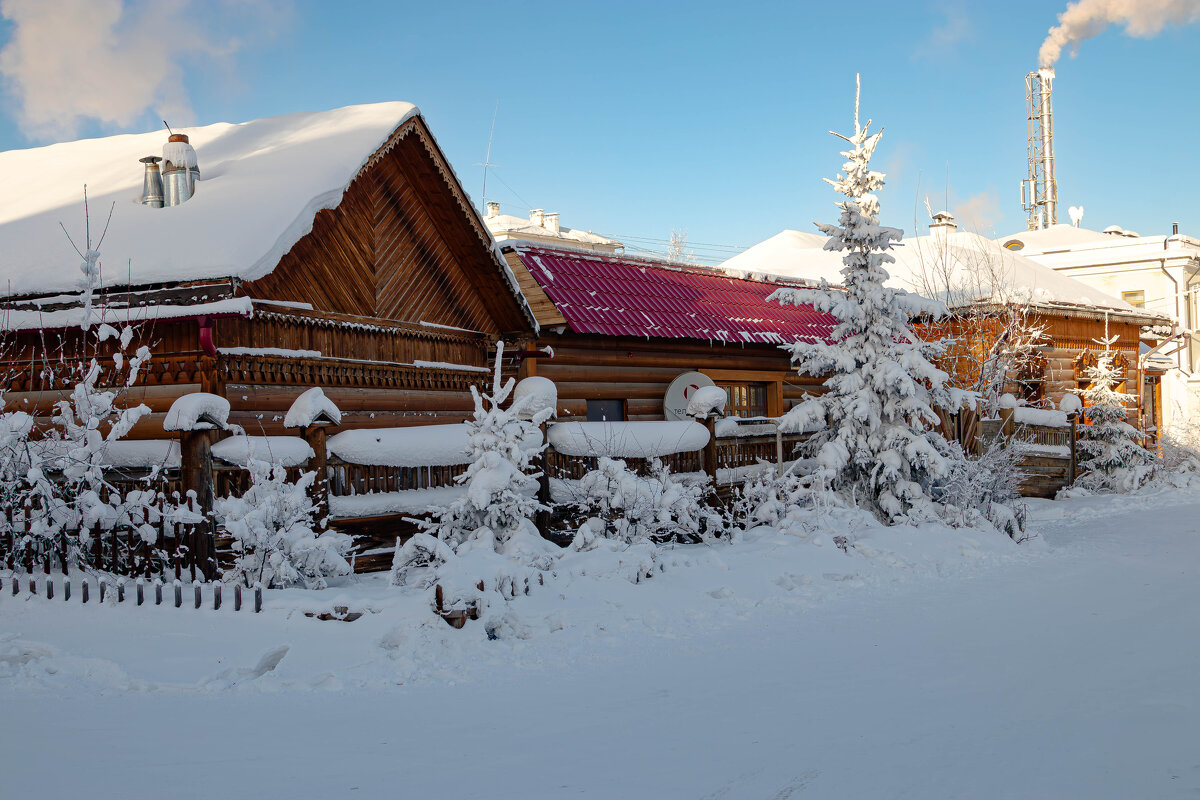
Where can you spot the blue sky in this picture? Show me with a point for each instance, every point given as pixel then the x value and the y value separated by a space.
pixel 631 119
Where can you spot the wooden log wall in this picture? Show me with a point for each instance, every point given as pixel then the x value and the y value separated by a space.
pixel 588 367
pixel 351 337
pixel 1068 337
pixel 404 244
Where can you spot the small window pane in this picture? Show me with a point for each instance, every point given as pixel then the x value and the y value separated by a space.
pixel 1135 299
pixel 606 410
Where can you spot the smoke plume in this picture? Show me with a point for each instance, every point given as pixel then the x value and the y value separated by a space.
pixel 112 61
pixel 1087 18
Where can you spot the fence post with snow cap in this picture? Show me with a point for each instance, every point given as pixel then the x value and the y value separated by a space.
pixel 198 418
pixel 312 413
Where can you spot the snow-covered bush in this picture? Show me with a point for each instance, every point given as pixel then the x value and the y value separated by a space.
pixel 776 499
pixel 60 470
pixel 878 445
pixel 1180 445
pixel 495 512
pixel 628 507
pixel 273 525
pixel 985 488
pixel 1112 453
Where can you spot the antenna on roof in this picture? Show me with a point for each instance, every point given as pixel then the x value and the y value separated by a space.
pixel 487 160
pixel 168 127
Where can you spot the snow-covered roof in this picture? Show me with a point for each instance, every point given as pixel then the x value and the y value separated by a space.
pixel 974 268
pixel 261 184
pixel 1056 237
pixel 506 226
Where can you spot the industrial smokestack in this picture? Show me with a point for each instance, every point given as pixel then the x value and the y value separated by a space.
pixel 1039 194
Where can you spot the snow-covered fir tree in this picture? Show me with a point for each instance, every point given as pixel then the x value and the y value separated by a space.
pixel 877 446
pixel 1112 452
pixel 274 530
pixel 496 509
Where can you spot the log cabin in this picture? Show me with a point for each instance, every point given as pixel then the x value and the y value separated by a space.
pixel 334 249
pixel 622 329
pixel 982 285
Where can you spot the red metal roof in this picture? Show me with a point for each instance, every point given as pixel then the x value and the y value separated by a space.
pixel 620 296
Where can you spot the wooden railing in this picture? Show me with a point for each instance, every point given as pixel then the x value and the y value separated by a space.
pixel 565 467
pixel 347 479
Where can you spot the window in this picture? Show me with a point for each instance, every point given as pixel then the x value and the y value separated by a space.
pixel 606 410
pixel 745 399
pixel 1135 299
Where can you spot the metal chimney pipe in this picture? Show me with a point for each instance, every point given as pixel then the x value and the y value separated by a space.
pixel 152 185
pixel 1174 228
pixel 180 170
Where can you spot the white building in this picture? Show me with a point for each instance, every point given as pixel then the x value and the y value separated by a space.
pixel 1158 273
pixel 542 227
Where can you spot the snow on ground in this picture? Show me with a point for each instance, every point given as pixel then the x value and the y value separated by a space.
pixel 923 663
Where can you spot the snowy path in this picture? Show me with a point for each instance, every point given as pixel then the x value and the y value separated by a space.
pixel 1071 674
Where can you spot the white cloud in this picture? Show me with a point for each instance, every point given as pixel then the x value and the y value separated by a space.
pixel 112 61
pixel 943 40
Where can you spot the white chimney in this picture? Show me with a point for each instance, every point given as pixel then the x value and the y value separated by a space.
pixel 493 209
pixel 551 223
pixel 538 217
pixel 943 224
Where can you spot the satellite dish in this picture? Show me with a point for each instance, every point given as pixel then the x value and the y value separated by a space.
pixel 675 402
pixel 1076 214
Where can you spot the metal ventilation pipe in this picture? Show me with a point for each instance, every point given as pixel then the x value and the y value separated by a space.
pixel 180 170
pixel 152 185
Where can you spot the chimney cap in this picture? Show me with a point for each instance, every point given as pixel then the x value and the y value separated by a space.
pixel 150 159
pixel 178 137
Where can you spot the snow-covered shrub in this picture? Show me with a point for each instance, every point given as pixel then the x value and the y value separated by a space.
pixel 878 445
pixel 628 507
pixel 62 484
pixel 495 512
pixel 1180 445
pixel 273 525
pixel 985 488
pixel 776 499
pixel 1112 453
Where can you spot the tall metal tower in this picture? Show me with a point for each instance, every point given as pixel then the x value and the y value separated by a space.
pixel 1039 194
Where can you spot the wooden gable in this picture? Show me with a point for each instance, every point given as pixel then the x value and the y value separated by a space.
pixel 403 244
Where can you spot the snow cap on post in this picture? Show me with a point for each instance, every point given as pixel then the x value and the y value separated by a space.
pixel 1008 401
pixel 707 401
pixel 312 408
pixel 1070 404
pixel 542 396
pixel 198 411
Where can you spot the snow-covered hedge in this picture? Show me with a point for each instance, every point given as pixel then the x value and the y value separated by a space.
pixel 627 439
pixel 286 451
pixel 421 446
pixel 1044 417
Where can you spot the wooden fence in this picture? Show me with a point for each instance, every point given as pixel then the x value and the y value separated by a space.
pixel 1049 455
pixel 136 591
pixel 174 548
